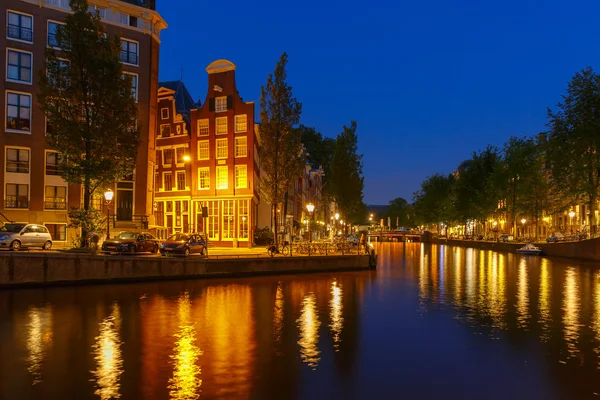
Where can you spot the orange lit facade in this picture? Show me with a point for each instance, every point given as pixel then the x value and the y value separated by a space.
pixel 207 163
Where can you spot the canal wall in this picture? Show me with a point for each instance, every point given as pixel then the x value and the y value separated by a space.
pixel 583 250
pixel 23 269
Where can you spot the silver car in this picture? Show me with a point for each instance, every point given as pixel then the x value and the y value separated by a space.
pixel 16 236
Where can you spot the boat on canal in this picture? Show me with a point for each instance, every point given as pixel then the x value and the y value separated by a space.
pixel 530 249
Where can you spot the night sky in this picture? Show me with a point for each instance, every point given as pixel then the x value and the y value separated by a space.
pixel 428 82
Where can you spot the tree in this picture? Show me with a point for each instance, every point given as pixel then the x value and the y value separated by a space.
pixel 573 151
pixel 400 210
pixel 433 203
pixel 88 103
pixel 281 154
pixel 319 149
pixel 347 181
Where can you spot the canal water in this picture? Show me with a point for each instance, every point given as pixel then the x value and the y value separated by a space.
pixel 431 322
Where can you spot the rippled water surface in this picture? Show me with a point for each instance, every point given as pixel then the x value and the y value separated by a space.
pixel 431 322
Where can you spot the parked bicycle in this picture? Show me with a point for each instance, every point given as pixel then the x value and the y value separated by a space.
pixel 285 249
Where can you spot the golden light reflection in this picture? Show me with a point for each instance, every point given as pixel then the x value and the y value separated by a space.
pixel 186 382
pixel 423 274
pixel 336 314
pixel 309 324
pixel 278 315
pixel 596 319
pixel 457 276
pixel 470 277
pixel 522 295
pixel 545 291
pixel 571 307
pixel 39 339
pixel 107 354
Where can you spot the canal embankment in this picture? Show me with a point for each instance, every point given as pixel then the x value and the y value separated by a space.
pixel 46 269
pixel 588 250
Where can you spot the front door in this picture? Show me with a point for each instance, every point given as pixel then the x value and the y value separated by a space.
pixel 124 205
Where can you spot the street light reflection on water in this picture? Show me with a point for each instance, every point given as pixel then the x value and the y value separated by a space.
pixel 308 325
pixel 39 340
pixel 108 357
pixel 336 314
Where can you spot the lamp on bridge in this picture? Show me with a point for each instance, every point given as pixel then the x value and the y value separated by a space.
pixel 108 196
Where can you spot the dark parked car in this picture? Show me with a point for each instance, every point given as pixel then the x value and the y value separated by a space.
pixel 183 244
pixel 131 242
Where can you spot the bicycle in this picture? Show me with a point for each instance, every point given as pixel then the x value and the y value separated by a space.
pixel 285 250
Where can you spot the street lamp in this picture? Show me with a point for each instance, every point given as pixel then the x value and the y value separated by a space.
pixel 108 196
pixel 572 214
pixel 187 158
pixel 523 223
pixel 310 207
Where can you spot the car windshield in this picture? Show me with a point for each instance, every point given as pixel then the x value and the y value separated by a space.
pixel 127 235
pixel 11 228
pixel 178 237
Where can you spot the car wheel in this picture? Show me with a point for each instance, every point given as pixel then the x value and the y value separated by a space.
pixel 187 252
pixel 155 249
pixel 47 245
pixel 132 250
pixel 15 245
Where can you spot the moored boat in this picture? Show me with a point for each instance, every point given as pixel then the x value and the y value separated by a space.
pixel 530 249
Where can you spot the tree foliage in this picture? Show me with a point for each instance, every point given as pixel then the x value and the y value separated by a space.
pixel 88 103
pixel 434 202
pixel 281 154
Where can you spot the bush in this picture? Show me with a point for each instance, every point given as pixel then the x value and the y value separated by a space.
pixel 263 236
pixel 88 221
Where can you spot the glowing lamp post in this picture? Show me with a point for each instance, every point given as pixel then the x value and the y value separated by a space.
pixel 310 207
pixel 108 196
pixel 523 224
pixel 571 215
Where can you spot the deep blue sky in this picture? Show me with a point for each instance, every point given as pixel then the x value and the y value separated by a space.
pixel 428 82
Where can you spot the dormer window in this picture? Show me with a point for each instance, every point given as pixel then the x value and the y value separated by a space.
pixel 221 104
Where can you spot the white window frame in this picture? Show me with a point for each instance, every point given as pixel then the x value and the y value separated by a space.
pixel 46 152
pixel 162 115
pixel 137 54
pixel 219 178
pixel 221 156
pixel 173 160
pixel 6 128
pixel 124 21
pixel 164 187
pixel 237 177
pixel 135 79
pixel 238 141
pixel 219 102
pixel 175 151
pixel 207 171
pixel 239 120
pixel 18 148
pixel 203 145
pixel 218 123
pixel 177 174
pixel 9 49
pixel 203 127
pixel 51 21
pixel 32 26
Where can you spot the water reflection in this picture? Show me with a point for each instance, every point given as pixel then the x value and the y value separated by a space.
pixel 571 306
pixel 107 354
pixel 336 314
pixel 278 315
pixel 185 382
pixel 309 324
pixel 596 319
pixel 39 340
pixel 522 294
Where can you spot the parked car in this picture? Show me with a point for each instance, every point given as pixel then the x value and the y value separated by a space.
pixel 506 238
pixel 556 238
pixel 16 236
pixel 184 244
pixel 131 242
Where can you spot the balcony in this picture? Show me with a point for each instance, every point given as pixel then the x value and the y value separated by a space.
pixel 16 202
pixel 55 203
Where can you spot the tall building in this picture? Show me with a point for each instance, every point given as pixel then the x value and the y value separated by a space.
pixel 207 171
pixel 31 187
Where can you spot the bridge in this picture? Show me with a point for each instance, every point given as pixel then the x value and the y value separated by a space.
pixel 399 236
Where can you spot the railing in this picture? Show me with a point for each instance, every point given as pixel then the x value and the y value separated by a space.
pixel 18 32
pixel 55 203
pixel 322 248
pixel 15 202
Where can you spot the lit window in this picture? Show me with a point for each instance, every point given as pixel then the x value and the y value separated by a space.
pixel 228 222
pixel 221 124
pixel 241 124
pixel 19 66
pixel 18 111
pixel 221 148
pixel 221 104
pixel 129 52
pixel 203 127
pixel 222 178
pixel 164 113
pixel 241 177
pixel 168 186
pixel 17 196
pixel 203 150
pixel 52 163
pixel 134 85
pixel 17 160
pixel 55 198
pixel 181 180
pixel 58 232
pixel 203 178
pixel 20 27
pixel 243 220
pixel 241 147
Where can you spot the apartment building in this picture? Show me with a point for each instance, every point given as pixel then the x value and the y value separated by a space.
pixel 207 172
pixel 31 187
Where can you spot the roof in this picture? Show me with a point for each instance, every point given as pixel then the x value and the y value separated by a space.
pixel 183 99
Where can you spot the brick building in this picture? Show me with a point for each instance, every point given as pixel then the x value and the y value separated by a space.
pixel 31 187
pixel 210 163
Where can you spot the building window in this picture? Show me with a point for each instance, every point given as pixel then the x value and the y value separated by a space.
pixel 101 11
pixel 55 198
pixel 129 52
pixel 165 130
pixel 221 104
pixel 203 178
pixel 181 180
pixel 203 127
pixel 58 232
pixel 167 157
pixel 134 85
pixel 19 66
pixel 20 27
pixel 17 196
pixel 241 123
pixel 52 27
pixel 243 220
pixel 203 150
pixel 52 163
pixel 133 21
pixel 213 220
pixel 18 111
pixel 241 177
pixel 157 181
pixel 168 186
pixel 222 178
pixel 17 160
pixel 180 155
pixel 164 113
pixel 228 214
pixel 221 124
pixel 124 18
pixel 241 146
pixel 159 214
pixel 221 148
